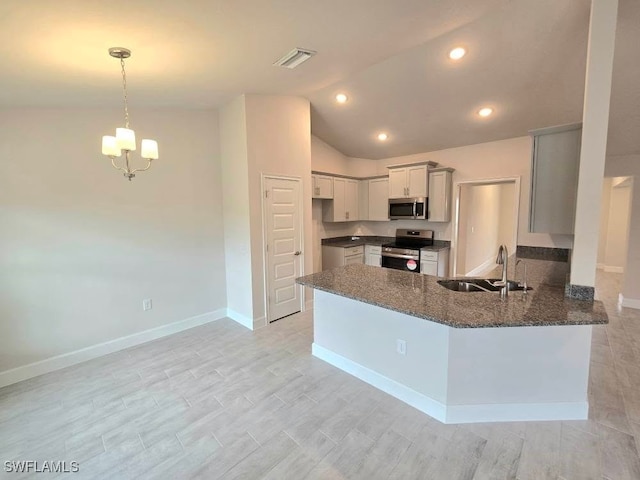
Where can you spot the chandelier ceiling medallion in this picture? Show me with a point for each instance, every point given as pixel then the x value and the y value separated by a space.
pixel 125 139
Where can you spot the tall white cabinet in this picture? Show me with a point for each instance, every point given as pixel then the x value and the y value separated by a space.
pixel 440 195
pixel 554 178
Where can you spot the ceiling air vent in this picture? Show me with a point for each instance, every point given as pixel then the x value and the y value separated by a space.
pixel 294 58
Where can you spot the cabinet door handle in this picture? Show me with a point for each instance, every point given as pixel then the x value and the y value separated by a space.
pixel 297 253
pixel 346 215
pixel 317 190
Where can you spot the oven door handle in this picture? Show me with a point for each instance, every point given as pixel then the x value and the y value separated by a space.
pixel 397 255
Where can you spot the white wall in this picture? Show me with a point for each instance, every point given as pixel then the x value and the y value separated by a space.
pixel 604 221
pixel 619 166
pixel 487 220
pixel 325 158
pixel 508 215
pixel 481 227
pixel 617 228
pixel 81 247
pixel 235 201
pixel 593 147
pixel 278 143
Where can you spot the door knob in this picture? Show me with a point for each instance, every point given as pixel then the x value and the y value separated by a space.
pixel 298 252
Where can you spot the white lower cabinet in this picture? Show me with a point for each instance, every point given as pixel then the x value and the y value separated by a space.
pixel 373 255
pixel 434 263
pixel 333 256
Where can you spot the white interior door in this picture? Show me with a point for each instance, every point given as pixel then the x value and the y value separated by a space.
pixel 284 252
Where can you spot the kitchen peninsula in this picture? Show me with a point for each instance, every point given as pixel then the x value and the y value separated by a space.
pixel 459 356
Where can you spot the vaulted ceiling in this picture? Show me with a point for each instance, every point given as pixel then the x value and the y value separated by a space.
pixel 526 59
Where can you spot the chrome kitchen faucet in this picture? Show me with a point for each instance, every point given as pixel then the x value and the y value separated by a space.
pixel 503 258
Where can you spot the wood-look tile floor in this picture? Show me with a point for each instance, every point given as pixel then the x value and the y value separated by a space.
pixel 219 401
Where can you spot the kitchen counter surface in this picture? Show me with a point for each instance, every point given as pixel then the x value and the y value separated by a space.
pixel 355 241
pixel 421 296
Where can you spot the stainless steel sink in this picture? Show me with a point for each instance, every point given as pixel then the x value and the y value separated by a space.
pixel 512 284
pixel 478 285
pixel 459 285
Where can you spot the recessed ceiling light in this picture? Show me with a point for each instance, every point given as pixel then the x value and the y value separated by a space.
pixel 383 136
pixel 341 98
pixel 485 112
pixel 457 53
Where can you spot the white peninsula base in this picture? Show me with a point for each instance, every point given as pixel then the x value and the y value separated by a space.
pixel 458 375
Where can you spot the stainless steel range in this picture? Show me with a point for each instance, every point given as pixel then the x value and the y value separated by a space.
pixel 404 253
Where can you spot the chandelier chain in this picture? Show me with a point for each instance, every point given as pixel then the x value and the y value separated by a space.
pixel 124 87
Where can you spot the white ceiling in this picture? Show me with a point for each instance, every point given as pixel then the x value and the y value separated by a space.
pixel 526 58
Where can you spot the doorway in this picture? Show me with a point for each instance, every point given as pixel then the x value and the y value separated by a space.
pixel 282 213
pixel 614 224
pixel 486 217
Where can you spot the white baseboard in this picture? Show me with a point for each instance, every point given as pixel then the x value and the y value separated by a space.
pixel 241 319
pixel 628 302
pixel 259 323
pixel 610 269
pixel 599 266
pixel 35 369
pixel 455 413
pixel 482 268
pixel 409 396
pixel 517 412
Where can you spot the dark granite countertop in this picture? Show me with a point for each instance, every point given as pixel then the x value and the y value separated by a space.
pixel 355 240
pixel 436 247
pixel 421 296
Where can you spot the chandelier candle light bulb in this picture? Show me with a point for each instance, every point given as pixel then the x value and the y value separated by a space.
pixel 149 149
pixel 125 138
pixel 110 146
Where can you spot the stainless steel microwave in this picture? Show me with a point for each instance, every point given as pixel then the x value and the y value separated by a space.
pixel 409 208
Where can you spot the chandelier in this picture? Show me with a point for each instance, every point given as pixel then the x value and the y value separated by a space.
pixel 125 139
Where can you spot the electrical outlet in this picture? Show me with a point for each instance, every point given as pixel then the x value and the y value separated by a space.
pixel 146 304
pixel 401 347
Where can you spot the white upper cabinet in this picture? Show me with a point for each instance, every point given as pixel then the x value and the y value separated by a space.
pixel 322 186
pixel 440 195
pixel 409 181
pixel 378 199
pixel 374 199
pixel 351 200
pixel 398 183
pixel 344 207
pixel 554 179
pixel 417 181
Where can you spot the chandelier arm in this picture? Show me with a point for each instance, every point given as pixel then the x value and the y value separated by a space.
pixel 113 162
pixel 145 168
